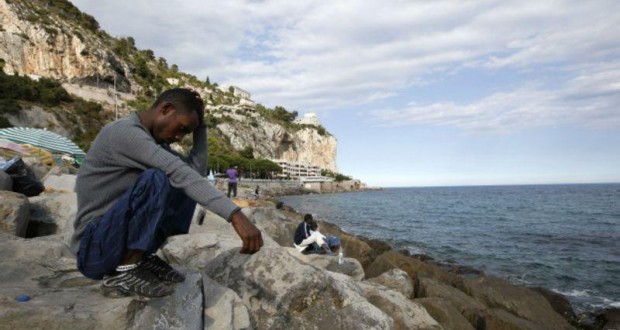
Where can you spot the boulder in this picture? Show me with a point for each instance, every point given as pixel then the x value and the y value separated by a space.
pixel 204 242
pixel 282 292
pixel 517 300
pixel 412 266
pixel 352 246
pixel 223 309
pixel 558 302
pixel 405 313
pixel 448 300
pixel 609 318
pixel 181 310
pixel 445 313
pixel 14 213
pixel 349 267
pixel 52 213
pixel 397 280
pixel 378 245
pixel 471 309
pixel 60 182
pixel 500 319
pixel 61 298
pixel 6 183
pixel 192 251
pixel 275 223
pixel 36 166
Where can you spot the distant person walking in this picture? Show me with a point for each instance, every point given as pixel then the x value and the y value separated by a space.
pixel 233 178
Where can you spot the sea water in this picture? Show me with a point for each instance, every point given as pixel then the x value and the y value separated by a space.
pixel 561 237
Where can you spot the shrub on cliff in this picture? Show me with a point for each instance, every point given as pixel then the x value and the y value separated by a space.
pixel 45 91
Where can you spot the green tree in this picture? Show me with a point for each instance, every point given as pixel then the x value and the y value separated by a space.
pixel 247 152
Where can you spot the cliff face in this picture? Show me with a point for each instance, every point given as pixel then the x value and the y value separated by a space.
pixel 38 38
pixel 32 43
pixel 274 141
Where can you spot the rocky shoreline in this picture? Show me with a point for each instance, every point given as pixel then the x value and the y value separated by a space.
pixel 376 288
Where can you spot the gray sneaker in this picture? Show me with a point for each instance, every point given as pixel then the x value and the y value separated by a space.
pixel 162 270
pixel 138 281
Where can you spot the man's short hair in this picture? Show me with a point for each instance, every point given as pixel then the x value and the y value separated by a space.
pixel 308 217
pixel 182 98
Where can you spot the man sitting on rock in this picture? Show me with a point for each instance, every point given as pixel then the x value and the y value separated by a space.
pixel 308 240
pixel 134 192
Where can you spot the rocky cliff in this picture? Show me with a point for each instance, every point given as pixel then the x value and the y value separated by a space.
pixel 55 40
pixel 274 141
pixel 35 41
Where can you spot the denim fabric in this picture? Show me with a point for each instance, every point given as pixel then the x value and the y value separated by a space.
pixel 332 241
pixel 142 219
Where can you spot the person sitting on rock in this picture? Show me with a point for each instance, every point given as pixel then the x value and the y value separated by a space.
pixel 134 192
pixel 309 240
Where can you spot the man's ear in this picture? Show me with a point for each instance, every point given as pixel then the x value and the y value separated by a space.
pixel 167 108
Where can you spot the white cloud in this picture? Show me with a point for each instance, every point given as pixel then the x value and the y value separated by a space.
pixel 310 55
pixel 590 99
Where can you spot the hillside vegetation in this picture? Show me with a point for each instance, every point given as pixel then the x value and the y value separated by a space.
pixel 130 70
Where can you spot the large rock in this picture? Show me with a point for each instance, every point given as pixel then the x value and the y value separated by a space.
pixel 6 183
pixel 405 313
pixel 60 182
pixel 609 319
pixel 412 266
pixel 559 303
pixel 445 313
pixel 352 246
pixel 275 223
pixel 14 213
pixel 181 310
pixel 350 266
pixel 450 305
pixel 205 242
pixel 471 309
pixel 397 280
pixel 517 300
pixel 283 292
pixel 376 244
pixel 52 213
pixel 61 298
pixel 223 309
pixel 193 251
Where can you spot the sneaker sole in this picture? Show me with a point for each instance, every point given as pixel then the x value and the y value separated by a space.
pixel 116 293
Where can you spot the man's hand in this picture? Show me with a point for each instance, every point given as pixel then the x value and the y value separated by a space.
pixel 249 234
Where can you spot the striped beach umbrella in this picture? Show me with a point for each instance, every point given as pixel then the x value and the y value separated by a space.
pixel 43 139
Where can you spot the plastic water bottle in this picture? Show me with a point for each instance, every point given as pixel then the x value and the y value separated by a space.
pixel 340 257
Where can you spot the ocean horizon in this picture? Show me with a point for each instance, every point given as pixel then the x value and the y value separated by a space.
pixel 498 185
pixel 564 237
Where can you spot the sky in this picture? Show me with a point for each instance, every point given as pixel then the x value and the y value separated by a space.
pixel 418 93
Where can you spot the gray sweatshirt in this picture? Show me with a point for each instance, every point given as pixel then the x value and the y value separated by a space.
pixel 120 153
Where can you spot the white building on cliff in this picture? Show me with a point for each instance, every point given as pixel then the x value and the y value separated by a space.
pixel 309 118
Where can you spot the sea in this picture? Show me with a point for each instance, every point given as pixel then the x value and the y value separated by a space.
pixel 562 237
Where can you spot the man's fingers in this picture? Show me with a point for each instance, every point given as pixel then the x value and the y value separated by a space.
pixel 244 248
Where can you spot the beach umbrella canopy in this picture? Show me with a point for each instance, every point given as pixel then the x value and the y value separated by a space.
pixel 43 139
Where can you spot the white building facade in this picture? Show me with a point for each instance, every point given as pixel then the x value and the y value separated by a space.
pixel 309 118
pixel 297 170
